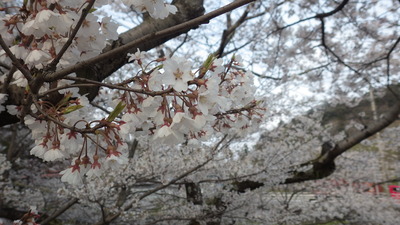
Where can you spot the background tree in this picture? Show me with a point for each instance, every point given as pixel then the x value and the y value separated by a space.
pixel 335 51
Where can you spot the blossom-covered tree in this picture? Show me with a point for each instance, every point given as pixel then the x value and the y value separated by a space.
pixel 153 124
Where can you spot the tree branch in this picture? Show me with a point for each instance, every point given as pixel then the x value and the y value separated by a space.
pixel 60 211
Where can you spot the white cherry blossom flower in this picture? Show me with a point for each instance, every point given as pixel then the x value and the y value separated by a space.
pixel 17 222
pixel 167 135
pixel 138 55
pixel 20 52
pixel 156 8
pixel 37 58
pixel 95 169
pixel 90 26
pixel 109 28
pixel 71 142
pixel 7 36
pixel 177 73
pixel 39 150
pixel 14 110
pixel 19 79
pixel 54 154
pixel 72 175
pixel 155 81
pixel 115 159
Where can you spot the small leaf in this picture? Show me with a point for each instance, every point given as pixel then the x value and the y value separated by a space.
pixel 92 10
pixel 207 64
pixel 65 100
pixel 72 108
pixel 118 109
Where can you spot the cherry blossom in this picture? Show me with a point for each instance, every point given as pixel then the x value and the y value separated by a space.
pixel 72 175
pixel 156 8
pixel 177 73
pixel 167 98
pixel 54 153
pixel 109 28
pixel 114 158
pixel 95 169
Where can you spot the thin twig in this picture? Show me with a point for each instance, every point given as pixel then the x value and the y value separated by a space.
pixel 64 208
pixel 179 46
pixel 388 60
pixel 56 60
pixel 15 61
pixel 111 86
pixel 100 107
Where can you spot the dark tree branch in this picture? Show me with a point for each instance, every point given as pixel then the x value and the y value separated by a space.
pixel 397 179
pixel 60 211
pixel 388 60
pixel 8 79
pixel 4 65
pixel 180 45
pixel 334 11
pixel 317 16
pixel 228 33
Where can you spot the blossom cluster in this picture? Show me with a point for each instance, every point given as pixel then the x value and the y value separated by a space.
pixel 168 99
pixel 190 104
pixel 41 29
pixel 171 103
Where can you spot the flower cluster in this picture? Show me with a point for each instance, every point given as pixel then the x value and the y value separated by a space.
pixel 189 104
pixel 172 103
pixel 168 99
pixel 39 32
